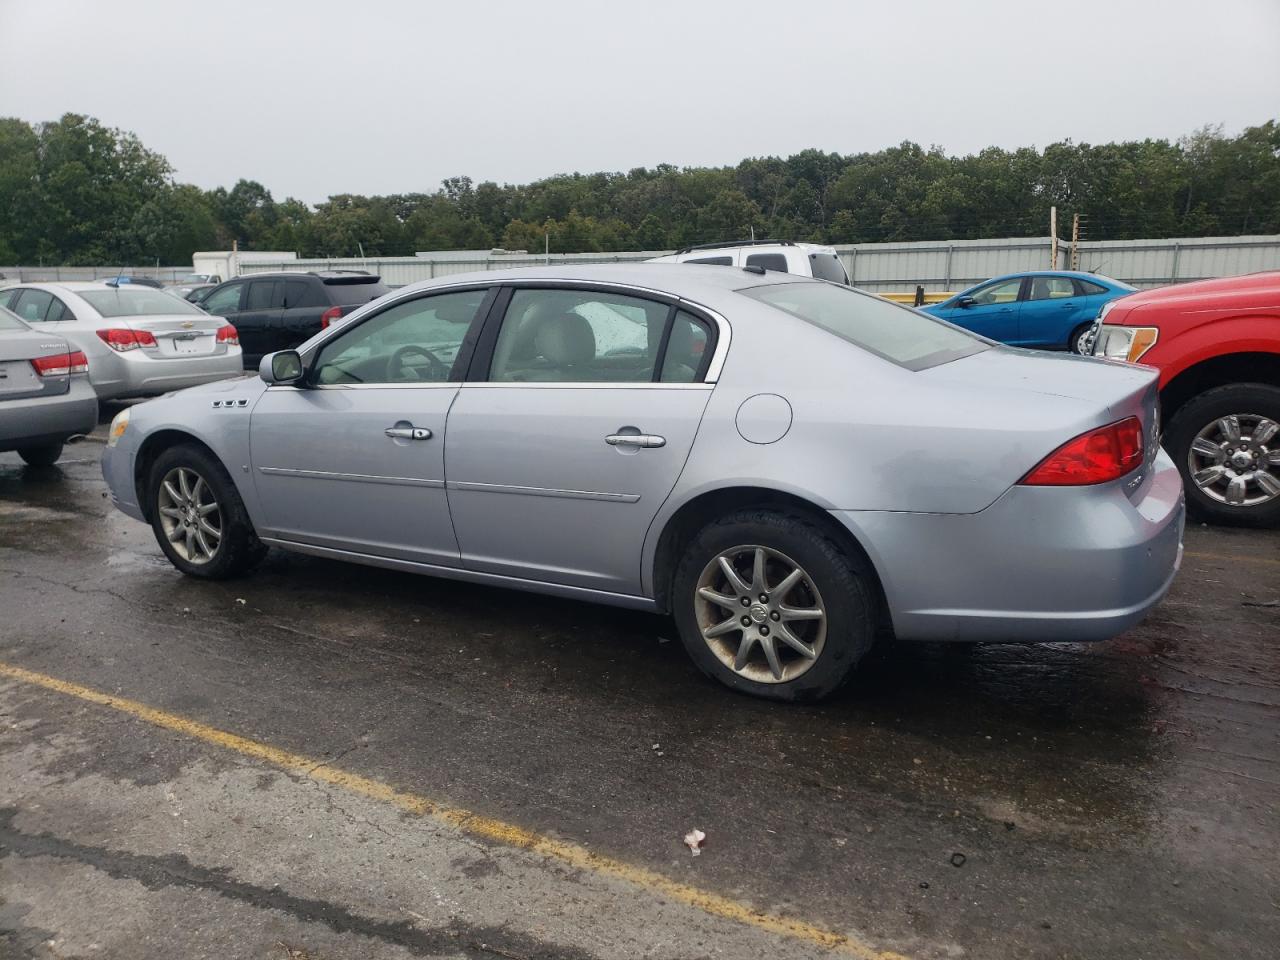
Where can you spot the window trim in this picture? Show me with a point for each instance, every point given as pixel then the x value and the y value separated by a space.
pixel 722 330
pixel 713 358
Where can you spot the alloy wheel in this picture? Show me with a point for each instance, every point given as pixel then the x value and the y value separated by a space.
pixel 1236 460
pixel 190 515
pixel 760 614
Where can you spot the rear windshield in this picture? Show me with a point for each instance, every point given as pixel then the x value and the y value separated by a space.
pixel 136 301
pixel 827 266
pixel 10 321
pixel 907 337
pixel 348 291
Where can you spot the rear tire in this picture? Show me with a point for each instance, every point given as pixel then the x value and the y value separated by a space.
pixel 1077 342
pixel 1248 410
pixel 809 614
pixel 198 517
pixel 45 455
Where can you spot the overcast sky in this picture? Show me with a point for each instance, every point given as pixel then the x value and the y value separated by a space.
pixel 318 97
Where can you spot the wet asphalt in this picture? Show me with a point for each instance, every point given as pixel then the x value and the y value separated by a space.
pixel 1119 800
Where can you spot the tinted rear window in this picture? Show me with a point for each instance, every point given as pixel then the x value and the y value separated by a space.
pixel 906 337
pixel 10 321
pixel 346 292
pixel 827 266
pixel 134 300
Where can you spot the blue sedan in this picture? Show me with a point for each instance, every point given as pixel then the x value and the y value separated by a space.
pixel 1051 309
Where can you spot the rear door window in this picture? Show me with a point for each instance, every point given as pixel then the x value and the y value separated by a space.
pixel 264 295
pixel 1051 288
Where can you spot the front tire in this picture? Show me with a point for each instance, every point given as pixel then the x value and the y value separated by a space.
pixel 1078 342
pixel 769 604
pixel 198 517
pixel 45 455
pixel 1226 444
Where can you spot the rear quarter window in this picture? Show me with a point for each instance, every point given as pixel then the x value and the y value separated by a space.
pixel 827 266
pixel 770 261
pixel 899 334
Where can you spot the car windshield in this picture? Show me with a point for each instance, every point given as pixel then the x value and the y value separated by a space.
pixel 10 321
pixel 136 301
pixel 906 337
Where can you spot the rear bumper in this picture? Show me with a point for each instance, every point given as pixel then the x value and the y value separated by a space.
pixel 1041 564
pixel 41 420
pixel 134 374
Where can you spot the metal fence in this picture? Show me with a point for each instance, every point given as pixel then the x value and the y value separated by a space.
pixel 880 267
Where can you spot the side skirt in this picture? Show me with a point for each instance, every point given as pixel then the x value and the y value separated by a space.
pixel 470 576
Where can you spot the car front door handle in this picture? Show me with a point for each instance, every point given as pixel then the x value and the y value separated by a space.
pixel 408 433
pixel 635 440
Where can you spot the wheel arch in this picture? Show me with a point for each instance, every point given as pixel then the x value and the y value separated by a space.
pixel 696 512
pixel 155 444
pixel 1248 366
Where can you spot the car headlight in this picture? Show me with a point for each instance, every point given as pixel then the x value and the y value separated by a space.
pixel 119 424
pixel 1124 343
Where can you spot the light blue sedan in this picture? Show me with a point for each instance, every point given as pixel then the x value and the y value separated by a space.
pixel 1049 309
pixel 784 465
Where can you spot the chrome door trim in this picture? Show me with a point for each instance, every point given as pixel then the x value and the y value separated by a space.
pixel 471 576
pixel 356 477
pixel 724 332
pixel 364 386
pixel 471 487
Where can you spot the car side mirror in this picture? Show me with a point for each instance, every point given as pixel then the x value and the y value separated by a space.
pixel 965 302
pixel 284 366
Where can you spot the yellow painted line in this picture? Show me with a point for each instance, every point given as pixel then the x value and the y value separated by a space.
pixel 1230 557
pixel 474 824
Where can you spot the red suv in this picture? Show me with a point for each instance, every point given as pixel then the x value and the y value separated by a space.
pixel 1216 344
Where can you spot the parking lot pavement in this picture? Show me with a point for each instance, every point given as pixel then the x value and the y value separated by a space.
pixel 330 761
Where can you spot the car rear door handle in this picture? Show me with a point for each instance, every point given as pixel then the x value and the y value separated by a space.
pixel 408 433
pixel 635 440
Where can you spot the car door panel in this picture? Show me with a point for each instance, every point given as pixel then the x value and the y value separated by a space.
pixel 327 473
pixel 537 492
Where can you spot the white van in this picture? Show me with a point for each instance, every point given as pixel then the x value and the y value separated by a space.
pixel 804 259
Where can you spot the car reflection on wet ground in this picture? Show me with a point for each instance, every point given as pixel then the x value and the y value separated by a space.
pixel 1117 800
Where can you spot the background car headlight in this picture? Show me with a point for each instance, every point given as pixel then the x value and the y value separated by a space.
pixel 1124 343
pixel 119 424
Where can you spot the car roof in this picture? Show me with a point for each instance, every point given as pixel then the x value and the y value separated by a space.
pixel 1081 274
pixel 689 280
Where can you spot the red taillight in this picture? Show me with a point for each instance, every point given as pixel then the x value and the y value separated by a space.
pixel 58 365
pixel 1098 456
pixel 79 362
pixel 329 316
pixel 229 335
pixel 121 340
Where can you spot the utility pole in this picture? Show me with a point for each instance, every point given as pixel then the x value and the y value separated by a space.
pixel 1075 241
pixel 1053 238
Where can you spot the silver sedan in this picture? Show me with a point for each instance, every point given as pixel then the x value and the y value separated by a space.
pixel 45 396
pixel 139 341
pixel 784 465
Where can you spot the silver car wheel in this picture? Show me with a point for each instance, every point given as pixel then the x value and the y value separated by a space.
pixel 190 515
pixel 1083 344
pixel 1236 460
pixel 760 614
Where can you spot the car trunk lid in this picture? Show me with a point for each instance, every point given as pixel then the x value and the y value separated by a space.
pixel 18 376
pixel 179 335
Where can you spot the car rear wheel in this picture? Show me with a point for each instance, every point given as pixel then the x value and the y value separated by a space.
pixel 1078 342
pixel 1226 443
pixel 198 517
pixel 769 604
pixel 45 455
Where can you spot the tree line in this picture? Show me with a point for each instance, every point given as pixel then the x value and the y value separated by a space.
pixel 75 192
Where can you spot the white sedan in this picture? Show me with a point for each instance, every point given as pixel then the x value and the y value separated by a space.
pixel 139 341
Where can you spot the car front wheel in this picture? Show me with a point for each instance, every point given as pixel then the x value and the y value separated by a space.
pixel 198 517
pixel 769 604
pixel 1226 443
